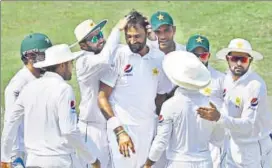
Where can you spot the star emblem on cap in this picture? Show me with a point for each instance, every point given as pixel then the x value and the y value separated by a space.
pixel 91 24
pixel 155 71
pixel 199 40
pixel 160 17
pixel 240 44
pixel 47 40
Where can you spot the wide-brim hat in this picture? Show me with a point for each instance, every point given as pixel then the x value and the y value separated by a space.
pixel 239 45
pixel 86 28
pixel 57 54
pixel 186 70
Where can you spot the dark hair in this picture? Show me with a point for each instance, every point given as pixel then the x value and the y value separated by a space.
pixel 136 18
pixel 52 68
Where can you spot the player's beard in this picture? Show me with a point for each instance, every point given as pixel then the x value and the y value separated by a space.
pixel 97 49
pixel 238 70
pixel 137 47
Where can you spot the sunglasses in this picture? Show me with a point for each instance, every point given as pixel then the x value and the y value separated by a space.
pixel 35 55
pixel 243 59
pixel 203 56
pixel 95 38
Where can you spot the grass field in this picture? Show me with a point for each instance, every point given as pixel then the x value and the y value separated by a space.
pixel 219 21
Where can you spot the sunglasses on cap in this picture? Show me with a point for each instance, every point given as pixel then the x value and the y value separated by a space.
pixel 36 55
pixel 95 38
pixel 203 56
pixel 243 59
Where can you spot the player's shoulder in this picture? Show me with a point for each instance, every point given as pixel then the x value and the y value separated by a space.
pixel 171 106
pixel 18 81
pixel 255 81
pixel 180 47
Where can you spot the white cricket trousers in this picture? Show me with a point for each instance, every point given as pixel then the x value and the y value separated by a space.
pixel 95 135
pixel 189 164
pixel 142 137
pixel 251 155
pixel 58 161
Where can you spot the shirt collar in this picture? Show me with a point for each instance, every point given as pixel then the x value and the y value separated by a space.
pixel 52 74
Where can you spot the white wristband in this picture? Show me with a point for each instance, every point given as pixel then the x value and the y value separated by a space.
pixel 113 123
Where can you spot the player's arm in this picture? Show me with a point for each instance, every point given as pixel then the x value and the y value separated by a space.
pixel 161 140
pixel 113 41
pixel 68 126
pixel 164 86
pixel 160 98
pixel 254 104
pixel 11 125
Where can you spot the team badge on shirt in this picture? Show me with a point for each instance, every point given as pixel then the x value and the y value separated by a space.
pixel 128 69
pixel 237 101
pixel 73 106
pixel 160 118
pixel 207 91
pixel 155 71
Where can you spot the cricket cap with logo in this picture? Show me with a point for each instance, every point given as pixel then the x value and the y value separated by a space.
pixel 185 70
pixel 160 18
pixel 86 28
pixel 197 41
pixel 57 54
pixel 35 42
pixel 239 45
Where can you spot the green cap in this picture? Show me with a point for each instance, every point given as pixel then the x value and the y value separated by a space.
pixel 35 41
pixel 160 18
pixel 197 41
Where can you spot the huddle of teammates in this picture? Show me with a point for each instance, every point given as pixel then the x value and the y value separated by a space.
pixel 148 103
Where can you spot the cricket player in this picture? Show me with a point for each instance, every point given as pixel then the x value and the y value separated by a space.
pixel 130 93
pixel 185 135
pixel 89 69
pixel 244 113
pixel 32 50
pixel 47 106
pixel 162 25
pixel 200 46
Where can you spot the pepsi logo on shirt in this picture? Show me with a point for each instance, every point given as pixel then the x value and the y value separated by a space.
pixel 128 70
pixel 73 106
pixel 254 102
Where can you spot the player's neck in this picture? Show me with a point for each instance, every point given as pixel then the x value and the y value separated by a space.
pixel 144 51
pixel 235 78
pixel 34 71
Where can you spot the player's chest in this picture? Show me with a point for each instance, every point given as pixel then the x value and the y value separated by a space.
pixel 139 70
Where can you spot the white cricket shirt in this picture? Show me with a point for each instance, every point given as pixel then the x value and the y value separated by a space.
pixel 89 69
pixel 136 81
pixel 12 91
pixel 245 112
pixel 47 106
pixel 181 130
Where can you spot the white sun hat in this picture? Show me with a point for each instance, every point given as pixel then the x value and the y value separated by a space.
pixel 57 54
pixel 86 28
pixel 186 70
pixel 239 45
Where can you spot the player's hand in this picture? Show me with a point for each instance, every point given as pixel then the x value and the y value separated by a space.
pixel 96 164
pixel 123 22
pixel 150 33
pixel 209 113
pixel 125 144
pixel 5 165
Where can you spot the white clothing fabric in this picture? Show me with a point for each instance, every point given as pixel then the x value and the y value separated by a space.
pixel 47 107
pixel 186 135
pixel 12 91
